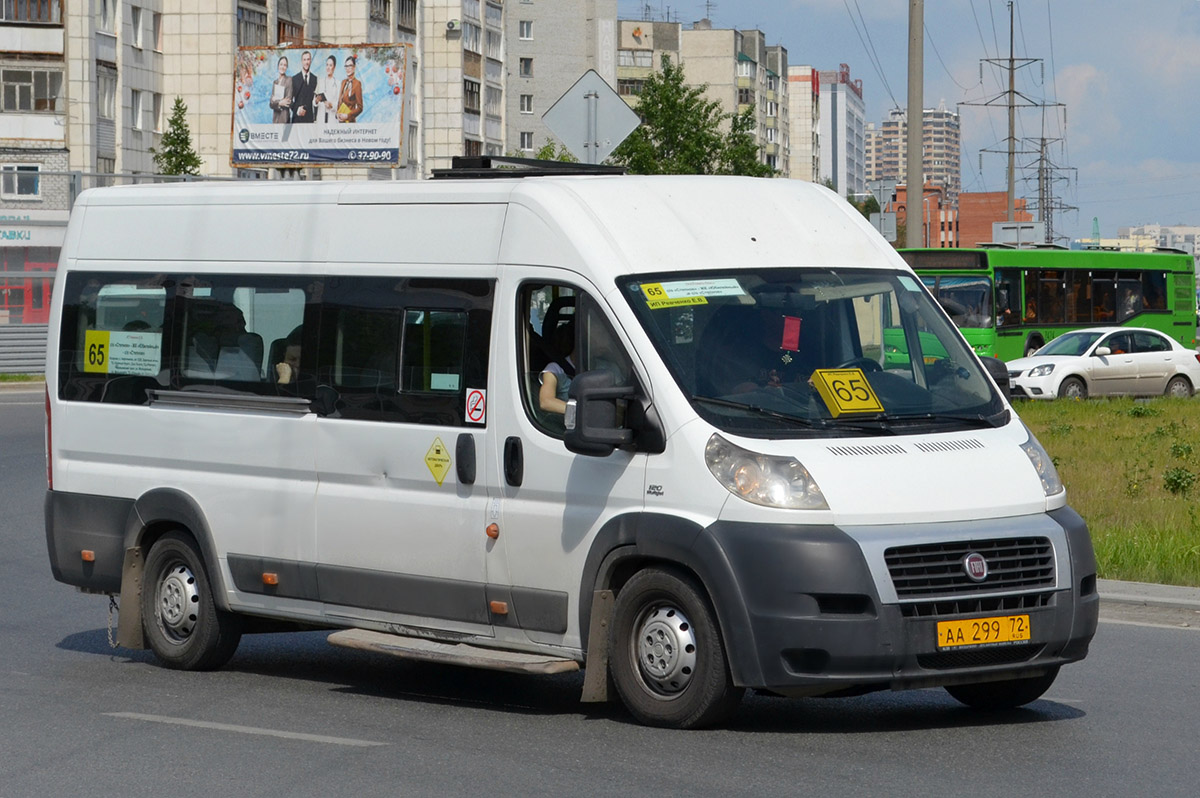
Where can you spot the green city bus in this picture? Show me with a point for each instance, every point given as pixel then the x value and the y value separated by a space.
pixel 1008 302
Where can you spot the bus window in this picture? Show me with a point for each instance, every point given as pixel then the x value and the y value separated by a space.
pixel 967 300
pixel 1154 289
pixel 1008 297
pixel 1129 289
pixel 1030 313
pixel 1104 298
pixel 1050 298
pixel 1078 297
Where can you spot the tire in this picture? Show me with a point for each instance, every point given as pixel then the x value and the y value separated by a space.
pixel 1033 345
pixel 1008 694
pixel 1178 387
pixel 666 656
pixel 182 625
pixel 1072 388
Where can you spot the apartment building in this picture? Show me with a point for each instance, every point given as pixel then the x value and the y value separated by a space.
pixel 804 118
pixel 550 45
pixel 886 149
pixel 33 146
pixel 641 45
pixel 842 131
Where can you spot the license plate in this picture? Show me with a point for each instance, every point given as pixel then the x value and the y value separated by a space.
pixel 983 631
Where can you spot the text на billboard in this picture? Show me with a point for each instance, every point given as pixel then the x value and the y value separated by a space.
pixel 320 105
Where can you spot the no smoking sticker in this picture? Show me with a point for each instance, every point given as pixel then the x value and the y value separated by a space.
pixel 476 406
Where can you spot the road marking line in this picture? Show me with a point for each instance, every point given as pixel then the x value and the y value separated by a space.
pixel 201 724
pixel 1175 626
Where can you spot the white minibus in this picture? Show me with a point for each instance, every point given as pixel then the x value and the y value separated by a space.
pixel 698 434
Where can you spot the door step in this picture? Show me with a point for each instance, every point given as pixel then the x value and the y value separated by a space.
pixel 418 648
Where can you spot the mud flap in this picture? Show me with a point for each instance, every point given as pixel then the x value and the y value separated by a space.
pixel 129 623
pixel 595 675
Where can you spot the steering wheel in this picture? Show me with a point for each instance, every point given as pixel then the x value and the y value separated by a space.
pixel 864 363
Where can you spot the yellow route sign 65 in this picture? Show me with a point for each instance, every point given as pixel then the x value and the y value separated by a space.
pixel 846 391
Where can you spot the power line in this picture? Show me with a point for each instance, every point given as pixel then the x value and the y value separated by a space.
pixel 872 56
pixel 946 69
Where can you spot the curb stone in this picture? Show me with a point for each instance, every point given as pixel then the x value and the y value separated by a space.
pixel 1148 595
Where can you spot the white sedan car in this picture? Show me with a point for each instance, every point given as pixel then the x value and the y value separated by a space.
pixel 1106 361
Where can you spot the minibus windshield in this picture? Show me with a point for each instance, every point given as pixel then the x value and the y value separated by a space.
pixel 807 352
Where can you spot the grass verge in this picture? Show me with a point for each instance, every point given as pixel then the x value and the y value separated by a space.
pixel 22 377
pixel 1132 470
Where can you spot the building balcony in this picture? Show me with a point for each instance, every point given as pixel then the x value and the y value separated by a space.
pixel 48 130
pixel 31 39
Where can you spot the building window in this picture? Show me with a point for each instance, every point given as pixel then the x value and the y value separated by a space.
pixel 413 132
pixel 471 96
pixel 527 140
pixel 635 58
pixel 472 147
pixel 136 24
pixel 106 93
pixel 493 99
pixel 745 96
pixel 21 181
pixel 495 45
pixel 527 103
pixel 252 27
pixel 406 16
pixel 525 29
pixel 745 69
pixel 290 32
pixel 472 35
pixel 156 31
pixel 45 11
pixel 526 67
pixel 30 89
pixel 137 109
pixel 628 87
pixel 381 11
pixel 158 111
pixel 107 19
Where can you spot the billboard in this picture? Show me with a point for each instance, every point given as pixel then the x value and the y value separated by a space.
pixel 320 105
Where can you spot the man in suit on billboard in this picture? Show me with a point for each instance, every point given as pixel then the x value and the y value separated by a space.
pixel 304 86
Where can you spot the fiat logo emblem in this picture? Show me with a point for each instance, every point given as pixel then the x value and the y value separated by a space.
pixel 975 566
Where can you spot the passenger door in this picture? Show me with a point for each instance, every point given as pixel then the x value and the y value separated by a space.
pixel 1116 372
pixel 1154 356
pixel 551 503
pixel 400 517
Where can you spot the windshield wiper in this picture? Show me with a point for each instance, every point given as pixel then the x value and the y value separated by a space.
pixel 975 419
pixel 816 423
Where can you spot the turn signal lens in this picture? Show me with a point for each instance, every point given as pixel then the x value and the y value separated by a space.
pixel 768 480
pixel 1044 466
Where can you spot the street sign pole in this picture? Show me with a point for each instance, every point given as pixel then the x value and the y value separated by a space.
pixel 593 139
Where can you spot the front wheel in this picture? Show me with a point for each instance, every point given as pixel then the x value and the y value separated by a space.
pixel 181 623
pixel 1008 694
pixel 667 659
pixel 1179 387
pixel 1072 388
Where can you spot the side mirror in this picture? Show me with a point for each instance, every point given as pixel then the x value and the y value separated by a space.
pixel 999 372
pixel 1102 351
pixel 591 417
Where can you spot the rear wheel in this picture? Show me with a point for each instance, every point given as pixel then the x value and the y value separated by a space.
pixel 1072 388
pixel 667 659
pixel 1008 694
pixel 181 623
pixel 1179 387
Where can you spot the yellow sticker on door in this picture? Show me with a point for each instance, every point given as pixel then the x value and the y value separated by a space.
pixel 438 460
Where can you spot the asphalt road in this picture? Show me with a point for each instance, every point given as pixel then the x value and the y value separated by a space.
pixel 291 716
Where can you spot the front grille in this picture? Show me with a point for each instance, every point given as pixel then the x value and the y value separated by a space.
pixel 979 657
pixel 935 570
pixel 974 605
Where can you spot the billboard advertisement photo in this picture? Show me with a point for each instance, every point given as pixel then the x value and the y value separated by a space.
pixel 320 105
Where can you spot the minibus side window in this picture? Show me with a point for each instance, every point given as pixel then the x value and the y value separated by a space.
pixel 562 332
pixel 113 337
pixel 404 350
pixel 244 333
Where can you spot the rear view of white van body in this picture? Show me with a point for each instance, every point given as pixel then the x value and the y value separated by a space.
pixel 700 433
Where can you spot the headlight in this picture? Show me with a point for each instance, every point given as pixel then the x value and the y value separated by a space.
pixel 763 479
pixel 1043 465
pixel 1042 370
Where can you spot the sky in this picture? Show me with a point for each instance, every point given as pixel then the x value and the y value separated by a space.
pixel 1127 75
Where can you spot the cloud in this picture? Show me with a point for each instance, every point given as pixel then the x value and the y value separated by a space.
pixel 1094 120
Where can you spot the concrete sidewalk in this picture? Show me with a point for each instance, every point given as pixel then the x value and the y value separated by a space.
pixel 33 386
pixel 1148 595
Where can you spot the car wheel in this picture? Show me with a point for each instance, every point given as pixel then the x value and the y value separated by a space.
pixel 182 625
pixel 1072 388
pixel 1179 387
pixel 667 659
pixel 1008 694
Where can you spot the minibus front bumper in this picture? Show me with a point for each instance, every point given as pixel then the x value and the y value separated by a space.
pixel 810 620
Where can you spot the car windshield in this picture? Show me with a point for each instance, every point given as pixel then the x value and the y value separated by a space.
pixel 1071 344
pixel 804 352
